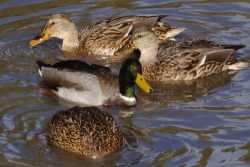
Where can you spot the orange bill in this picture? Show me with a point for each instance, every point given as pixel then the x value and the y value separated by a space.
pixel 41 37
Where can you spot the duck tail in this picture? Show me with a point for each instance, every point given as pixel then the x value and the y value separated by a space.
pixel 40 65
pixel 238 65
pixel 235 47
pixel 163 31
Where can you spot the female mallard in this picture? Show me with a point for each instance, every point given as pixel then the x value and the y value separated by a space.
pixel 85 130
pixel 104 37
pixel 182 60
pixel 94 85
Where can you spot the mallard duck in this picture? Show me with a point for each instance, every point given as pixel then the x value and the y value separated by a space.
pixel 88 131
pixel 185 60
pixel 92 84
pixel 104 37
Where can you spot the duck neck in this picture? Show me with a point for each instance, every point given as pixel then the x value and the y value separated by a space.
pixel 148 59
pixel 126 87
pixel 127 91
pixel 149 54
pixel 71 41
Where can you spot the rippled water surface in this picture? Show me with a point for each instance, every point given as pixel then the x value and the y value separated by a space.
pixel 202 123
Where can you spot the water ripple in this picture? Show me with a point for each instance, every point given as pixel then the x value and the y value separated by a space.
pixel 199 123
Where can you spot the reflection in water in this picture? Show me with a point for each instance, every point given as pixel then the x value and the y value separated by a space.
pixel 170 154
pixel 246 157
pixel 199 123
pixel 184 91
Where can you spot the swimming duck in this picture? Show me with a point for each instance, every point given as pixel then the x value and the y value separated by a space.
pixel 104 37
pixel 88 131
pixel 92 84
pixel 185 60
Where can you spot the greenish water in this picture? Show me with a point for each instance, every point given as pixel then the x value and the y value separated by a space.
pixel 201 123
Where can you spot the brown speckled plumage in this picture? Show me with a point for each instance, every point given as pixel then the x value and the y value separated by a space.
pixel 104 37
pixel 85 130
pixel 185 60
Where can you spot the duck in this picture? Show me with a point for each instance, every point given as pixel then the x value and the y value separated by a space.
pixel 103 37
pixel 95 85
pixel 181 60
pixel 88 131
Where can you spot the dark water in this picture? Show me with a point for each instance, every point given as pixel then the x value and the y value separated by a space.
pixel 200 123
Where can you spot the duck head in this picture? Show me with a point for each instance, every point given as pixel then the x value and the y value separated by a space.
pixel 131 74
pixel 144 40
pixel 58 26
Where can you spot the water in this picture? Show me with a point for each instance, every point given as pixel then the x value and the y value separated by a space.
pixel 200 123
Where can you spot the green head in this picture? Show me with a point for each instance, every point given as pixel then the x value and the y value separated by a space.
pixel 131 74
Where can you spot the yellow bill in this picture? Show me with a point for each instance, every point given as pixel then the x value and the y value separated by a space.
pixel 143 84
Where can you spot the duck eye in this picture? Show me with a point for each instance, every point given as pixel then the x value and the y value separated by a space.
pixel 139 36
pixel 53 23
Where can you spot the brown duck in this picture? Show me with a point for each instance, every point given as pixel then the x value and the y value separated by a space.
pixel 104 37
pixel 185 60
pixel 88 131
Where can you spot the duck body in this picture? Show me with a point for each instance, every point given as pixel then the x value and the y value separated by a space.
pixel 91 84
pixel 104 37
pixel 195 59
pixel 88 131
pixel 184 60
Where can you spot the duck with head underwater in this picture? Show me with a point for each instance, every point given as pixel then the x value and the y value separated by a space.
pixel 88 131
pixel 94 85
pixel 184 60
pixel 104 37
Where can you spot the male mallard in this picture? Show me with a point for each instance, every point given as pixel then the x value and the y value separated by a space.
pixel 184 60
pixel 88 84
pixel 104 37
pixel 87 131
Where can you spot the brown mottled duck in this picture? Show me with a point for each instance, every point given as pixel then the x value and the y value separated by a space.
pixel 184 60
pixel 104 37
pixel 88 131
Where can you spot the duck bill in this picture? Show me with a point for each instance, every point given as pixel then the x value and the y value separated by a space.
pixel 142 83
pixel 41 37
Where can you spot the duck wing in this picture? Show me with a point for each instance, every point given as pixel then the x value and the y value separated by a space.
pixel 120 27
pixel 192 64
pixel 110 35
pixel 156 23
pixel 175 47
pixel 203 43
pixel 137 21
